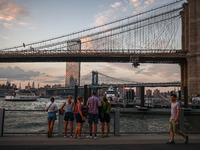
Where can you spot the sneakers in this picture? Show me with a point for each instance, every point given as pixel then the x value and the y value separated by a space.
pixel 170 142
pixel 89 137
pixel 71 136
pixel 65 136
pixel 95 137
pixel 186 139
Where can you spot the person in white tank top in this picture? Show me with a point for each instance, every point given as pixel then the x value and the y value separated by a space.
pixel 51 108
pixel 68 108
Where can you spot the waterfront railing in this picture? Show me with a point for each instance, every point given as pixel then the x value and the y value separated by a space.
pixel 122 122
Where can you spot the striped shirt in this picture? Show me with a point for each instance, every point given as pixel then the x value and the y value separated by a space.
pixel 93 103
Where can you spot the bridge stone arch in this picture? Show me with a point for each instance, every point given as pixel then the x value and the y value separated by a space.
pixel 190 70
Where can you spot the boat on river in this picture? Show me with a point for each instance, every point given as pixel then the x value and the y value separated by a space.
pixel 23 95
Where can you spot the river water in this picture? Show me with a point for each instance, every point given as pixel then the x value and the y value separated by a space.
pixel 36 121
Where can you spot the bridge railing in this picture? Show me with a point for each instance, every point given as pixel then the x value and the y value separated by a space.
pixel 89 51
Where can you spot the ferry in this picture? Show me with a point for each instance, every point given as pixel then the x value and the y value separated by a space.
pixel 22 96
pixel 110 94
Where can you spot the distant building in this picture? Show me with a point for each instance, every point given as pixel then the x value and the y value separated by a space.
pixel 33 85
pixel 72 74
pixel 138 91
pixel 148 93
pixel 156 93
pixel 72 77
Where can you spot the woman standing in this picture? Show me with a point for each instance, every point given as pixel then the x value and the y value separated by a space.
pixel 69 108
pixel 79 117
pixel 105 117
pixel 51 108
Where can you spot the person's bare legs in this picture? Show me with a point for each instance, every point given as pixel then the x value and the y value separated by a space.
pixel 95 129
pixel 51 127
pixel 65 128
pixel 172 134
pixel 102 128
pixel 71 127
pixel 180 133
pixel 90 129
pixel 108 128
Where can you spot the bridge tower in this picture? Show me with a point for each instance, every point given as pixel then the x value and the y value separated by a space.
pixel 190 70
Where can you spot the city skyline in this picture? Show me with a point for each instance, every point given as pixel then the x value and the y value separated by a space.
pixel 47 19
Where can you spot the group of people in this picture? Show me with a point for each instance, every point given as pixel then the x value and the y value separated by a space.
pixel 93 105
pixel 94 108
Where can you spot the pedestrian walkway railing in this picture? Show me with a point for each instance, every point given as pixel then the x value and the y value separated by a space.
pixel 122 122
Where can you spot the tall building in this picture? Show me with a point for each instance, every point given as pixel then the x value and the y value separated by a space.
pixel 148 93
pixel 72 74
pixel 138 91
pixel 33 84
pixel 156 93
pixel 72 77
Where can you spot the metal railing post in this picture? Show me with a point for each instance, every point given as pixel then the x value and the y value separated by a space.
pixel 60 123
pixel 181 119
pixel 117 122
pixel 2 112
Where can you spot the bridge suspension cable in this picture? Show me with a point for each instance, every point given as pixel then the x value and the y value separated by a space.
pixel 152 29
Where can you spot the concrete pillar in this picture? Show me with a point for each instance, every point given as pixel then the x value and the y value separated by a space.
pixel 192 11
pixel 89 92
pixel 181 119
pixel 142 96
pixel 117 122
pixel 185 97
pixel 133 94
pixel 85 95
pixel 2 113
pixel 60 124
pixel 75 93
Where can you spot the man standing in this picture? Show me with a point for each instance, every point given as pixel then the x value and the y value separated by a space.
pixel 92 107
pixel 173 122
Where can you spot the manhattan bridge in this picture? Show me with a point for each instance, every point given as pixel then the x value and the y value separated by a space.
pixel 168 34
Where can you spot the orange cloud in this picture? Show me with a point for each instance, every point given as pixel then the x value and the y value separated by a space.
pixel 117 4
pixel 11 12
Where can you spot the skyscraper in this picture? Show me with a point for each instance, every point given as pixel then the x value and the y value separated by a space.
pixel 72 74
pixel 72 77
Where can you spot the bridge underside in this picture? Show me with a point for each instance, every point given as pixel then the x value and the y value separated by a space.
pixel 94 59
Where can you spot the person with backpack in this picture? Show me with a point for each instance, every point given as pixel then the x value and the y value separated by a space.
pixel 52 109
pixel 69 108
pixel 105 116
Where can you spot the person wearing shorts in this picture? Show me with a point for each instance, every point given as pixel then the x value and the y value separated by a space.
pixel 80 118
pixel 173 122
pixel 92 106
pixel 51 108
pixel 105 116
pixel 69 108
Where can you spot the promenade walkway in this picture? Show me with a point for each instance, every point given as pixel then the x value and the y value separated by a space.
pixel 122 142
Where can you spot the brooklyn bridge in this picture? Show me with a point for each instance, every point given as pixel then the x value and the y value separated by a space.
pixel 168 34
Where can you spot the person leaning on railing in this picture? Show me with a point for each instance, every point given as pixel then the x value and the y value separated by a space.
pixel 52 109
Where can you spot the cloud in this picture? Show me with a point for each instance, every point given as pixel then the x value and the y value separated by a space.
pixel 166 72
pixel 9 26
pixel 4 37
pixel 17 73
pixel 11 13
pixel 117 4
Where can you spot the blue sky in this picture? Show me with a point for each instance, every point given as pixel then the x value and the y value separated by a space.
pixel 27 21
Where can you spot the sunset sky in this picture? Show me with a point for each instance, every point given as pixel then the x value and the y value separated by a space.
pixel 27 21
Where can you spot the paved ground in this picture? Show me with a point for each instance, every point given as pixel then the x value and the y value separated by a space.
pixel 123 142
